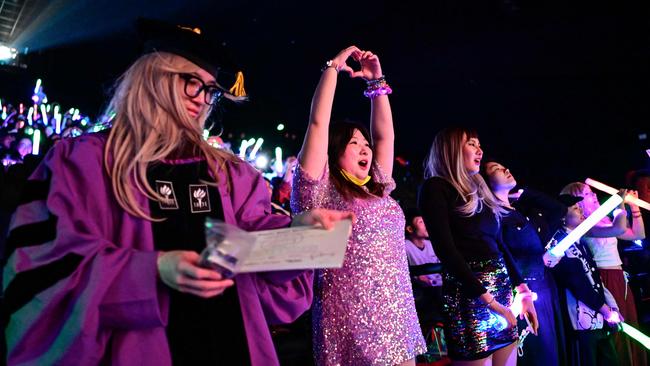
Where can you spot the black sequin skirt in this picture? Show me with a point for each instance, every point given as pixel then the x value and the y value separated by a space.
pixel 471 329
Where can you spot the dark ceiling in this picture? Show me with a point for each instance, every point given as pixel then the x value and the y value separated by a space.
pixel 557 89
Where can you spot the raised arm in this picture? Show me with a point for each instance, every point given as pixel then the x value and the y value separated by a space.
pixel 381 117
pixel 637 229
pixel 618 227
pixel 313 155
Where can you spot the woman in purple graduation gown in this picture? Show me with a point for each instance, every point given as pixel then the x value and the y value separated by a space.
pixel 103 267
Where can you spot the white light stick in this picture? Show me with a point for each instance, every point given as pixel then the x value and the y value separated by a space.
pixel 36 141
pixel 57 120
pixel 611 190
pixel 256 148
pixel 44 114
pixel 586 225
pixel 244 146
pixel 636 335
pixel 278 160
pixel 38 86
pixel 261 162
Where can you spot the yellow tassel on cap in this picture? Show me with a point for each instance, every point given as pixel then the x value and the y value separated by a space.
pixel 238 88
pixel 195 30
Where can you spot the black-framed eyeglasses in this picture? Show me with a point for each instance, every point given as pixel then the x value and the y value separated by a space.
pixel 194 85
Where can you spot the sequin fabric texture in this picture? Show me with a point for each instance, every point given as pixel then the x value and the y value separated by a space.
pixel 472 330
pixel 363 313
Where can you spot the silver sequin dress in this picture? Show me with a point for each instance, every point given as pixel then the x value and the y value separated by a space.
pixel 363 313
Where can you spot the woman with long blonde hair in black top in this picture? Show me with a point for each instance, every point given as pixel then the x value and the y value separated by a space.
pixel 463 217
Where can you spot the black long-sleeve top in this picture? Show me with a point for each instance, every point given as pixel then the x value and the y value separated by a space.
pixel 523 242
pixel 544 212
pixel 527 229
pixel 457 239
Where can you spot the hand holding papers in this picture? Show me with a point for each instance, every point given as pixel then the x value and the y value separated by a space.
pixel 231 250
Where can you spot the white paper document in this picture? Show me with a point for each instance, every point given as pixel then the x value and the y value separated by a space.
pixel 300 247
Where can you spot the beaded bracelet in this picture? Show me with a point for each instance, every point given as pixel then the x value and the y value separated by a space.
pixel 377 87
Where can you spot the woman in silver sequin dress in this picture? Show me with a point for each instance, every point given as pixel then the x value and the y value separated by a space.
pixel 363 313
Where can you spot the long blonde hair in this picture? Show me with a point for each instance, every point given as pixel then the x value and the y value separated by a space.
pixel 151 124
pixel 445 160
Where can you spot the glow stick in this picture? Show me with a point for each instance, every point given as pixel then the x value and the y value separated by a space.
pixel 611 190
pixel 57 119
pixel 278 160
pixel 636 335
pixel 244 146
pixel 21 108
pixel 4 113
pixel 36 141
pixel 261 162
pixel 38 85
pixel 586 225
pixel 7 118
pixel 256 148
pixel 29 115
pixel 44 113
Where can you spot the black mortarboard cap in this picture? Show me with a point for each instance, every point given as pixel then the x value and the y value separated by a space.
pixel 568 199
pixel 190 43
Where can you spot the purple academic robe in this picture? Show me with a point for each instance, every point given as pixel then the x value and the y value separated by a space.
pixel 84 288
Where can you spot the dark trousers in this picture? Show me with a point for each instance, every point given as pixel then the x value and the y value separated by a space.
pixel 550 340
pixel 594 348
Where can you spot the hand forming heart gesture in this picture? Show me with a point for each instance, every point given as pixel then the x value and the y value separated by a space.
pixel 370 67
